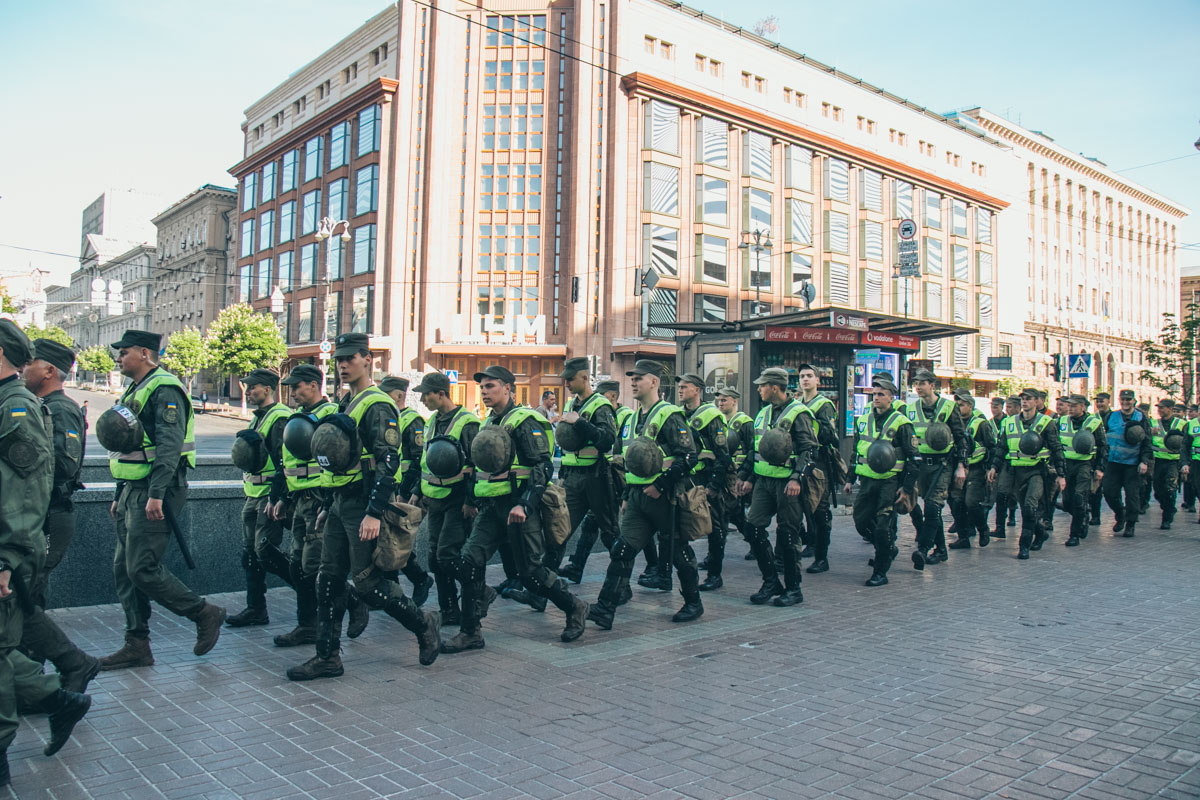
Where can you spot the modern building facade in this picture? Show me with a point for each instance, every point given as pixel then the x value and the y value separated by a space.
pixel 192 278
pixel 1099 261
pixel 122 214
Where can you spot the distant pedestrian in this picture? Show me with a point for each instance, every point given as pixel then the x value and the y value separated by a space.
pixel 549 406
pixel 84 409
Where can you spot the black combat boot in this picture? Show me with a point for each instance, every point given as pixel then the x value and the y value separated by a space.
pixel 255 612
pixel 305 631
pixel 331 607
pixel 476 597
pixel 447 589
pixel 771 584
pixel 422 581
pixel 602 611
pixel 572 572
pixel 575 609
pixel 65 710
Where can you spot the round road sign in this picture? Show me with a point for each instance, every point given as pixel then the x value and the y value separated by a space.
pixel 908 229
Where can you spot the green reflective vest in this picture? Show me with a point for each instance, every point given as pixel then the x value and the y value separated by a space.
pixel 980 452
pixel 655 419
pixel 1014 426
pixel 257 484
pixel 136 465
pixel 368 397
pixel 502 483
pixel 868 434
pixel 701 418
pixel 762 423
pixel 941 413
pixel 818 402
pixel 305 474
pixel 1066 435
pixel 735 424
pixel 623 415
pixel 1158 437
pixel 432 485
pixel 589 455
pixel 1193 430
pixel 404 418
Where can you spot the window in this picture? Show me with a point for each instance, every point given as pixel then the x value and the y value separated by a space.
pixel 364 249
pixel 756 267
pixel 961 351
pixel 379 54
pixel 983 226
pixel 661 308
pixel 933 256
pixel 902 200
pixel 366 189
pixel 249 191
pixel 660 249
pixel 962 271
pixel 798 167
pixel 933 300
pixel 712 256
pixel 837 283
pixel 666 50
pixel 337 199
pixel 710 308
pixel 266 230
pixel 712 201
pixel 286 260
pixel 291 160
pixel 247 238
pixel 870 190
pixel 871 287
pixel 801 269
pixel 755 308
pixel 264 278
pixel 983 269
pixel 648 44
pixel 985 350
pixel 712 141
pixel 304 331
pixel 368 130
pixel 310 211
pixel 933 350
pixel 362 309
pixel 933 210
pixel 756 209
pixel 268 181
pixel 958 217
pixel 837 225
pixel 984 303
pixel 308 264
pixel 339 145
pixel 870 240
pixel 314 152
pixel 287 221
pixel 959 296
pixel 799 221
pixel 756 156
pixel 837 180
pixel 661 188
pixel 245 281
pixel 746 80
pixel 334 258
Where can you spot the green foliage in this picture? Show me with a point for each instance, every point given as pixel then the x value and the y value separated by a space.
pixel 1172 355
pixel 1007 387
pixel 95 359
pixel 7 305
pixel 962 383
pixel 51 332
pixel 240 340
pixel 186 354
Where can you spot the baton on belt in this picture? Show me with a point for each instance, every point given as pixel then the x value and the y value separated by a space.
pixel 173 523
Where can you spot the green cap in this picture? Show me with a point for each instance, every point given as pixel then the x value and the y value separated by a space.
pixel 394 384
pixel 644 366
pixel 146 339
pixel 17 348
pixel 729 391
pixel 573 365
pixel 608 386
pixel 265 377
pixel 50 351
pixel 496 373
pixel 433 382
pixel 349 344
pixel 775 375
pixel 302 372
pixel 690 377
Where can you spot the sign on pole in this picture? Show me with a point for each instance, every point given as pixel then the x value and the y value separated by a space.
pixel 452 375
pixel 840 319
pixel 1081 365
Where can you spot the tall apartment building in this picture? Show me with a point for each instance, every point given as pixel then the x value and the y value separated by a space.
pixel 193 276
pixel 1100 263
pixel 119 214
pixel 507 179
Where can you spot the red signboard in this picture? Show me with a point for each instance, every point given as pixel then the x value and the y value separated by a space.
pixel 894 341
pixel 898 341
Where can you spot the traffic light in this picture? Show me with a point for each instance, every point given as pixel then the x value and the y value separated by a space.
pixel 575 290
pixel 1058 368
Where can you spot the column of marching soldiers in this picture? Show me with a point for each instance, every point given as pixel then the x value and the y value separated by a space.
pixel 352 479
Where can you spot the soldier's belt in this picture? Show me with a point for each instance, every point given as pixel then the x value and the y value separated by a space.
pixel 149 454
pixel 257 480
pixel 587 452
pixel 434 480
pixel 308 471
pixel 520 473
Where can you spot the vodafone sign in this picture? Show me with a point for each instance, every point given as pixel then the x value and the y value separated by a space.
pixel 898 341
pixel 894 341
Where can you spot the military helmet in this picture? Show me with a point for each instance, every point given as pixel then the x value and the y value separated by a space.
pixel 249 451
pixel 1173 441
pixel 568 437
pixel 335 443
pixel 775 447
pixel 1083 442
pixel 443 457
pixel 938 435
pixel 1030 443
pixel 643 457
pixel 297 435
pixel 1134 434
pixel 492 449
pixel 881 456
pixel 119 430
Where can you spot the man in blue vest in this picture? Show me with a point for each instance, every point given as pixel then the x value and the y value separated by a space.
pixel 1130 454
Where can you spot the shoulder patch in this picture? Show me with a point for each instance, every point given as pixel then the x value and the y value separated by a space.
pixel 392 436
pixel 171 413
pixel 697 423
pixel 17 411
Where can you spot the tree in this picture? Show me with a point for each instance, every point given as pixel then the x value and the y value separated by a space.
pixel 186 354
pixel 96 360
pixel 51 332
pixel 240 340
pixel 1171 357
pixel 1007 387
pixel 7 304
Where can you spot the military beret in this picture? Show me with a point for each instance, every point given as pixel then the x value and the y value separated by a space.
pixel 52 352
pixel 17 348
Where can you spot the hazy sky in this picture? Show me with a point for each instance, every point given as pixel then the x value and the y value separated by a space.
pixel 149 94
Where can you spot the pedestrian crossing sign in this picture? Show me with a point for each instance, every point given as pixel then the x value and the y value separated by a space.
pixel 1081 365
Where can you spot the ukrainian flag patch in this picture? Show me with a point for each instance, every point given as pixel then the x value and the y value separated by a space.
pixel 17 412
pixel 72 434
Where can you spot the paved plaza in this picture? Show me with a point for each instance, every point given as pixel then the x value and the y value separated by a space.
pixel 1075 674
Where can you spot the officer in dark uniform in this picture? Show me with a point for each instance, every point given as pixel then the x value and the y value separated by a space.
pixel 938 465
pixel 358 499
pixel 1023 458
pixel 1130 455
pixel 509 503
pixel 714 464
pixel 43 639
pixel 739 441
pixel 448 500
pixel 585 471
pixel 1103 409
pixel 1012 407
pixel 1081 464
pixel 775 479
pixel 151 485
pixel 1187 475
pixel 1050 479
pixel 658 453
pixel 968 500
pixel 1148 477
pixel 820 522
pixel 258 452
pixel 887 473
pixel 1167 433
pixel 412 444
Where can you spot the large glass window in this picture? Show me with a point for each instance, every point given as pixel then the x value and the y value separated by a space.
pixel 985 310
pixel 960 305
pixel 245 282
pixel 266 230
pixel 902 199
pixel 837 180
pixel 308 264
pixel 756 209
pixel 933 300
pixel 962 271
pixel 712 255
pixel 314 158
pixel 933 210
pixel 310 211
pixel 660 249
pixel 871 287
pixel 366 189
pixel 362 309
pixel 984 268
pixel 304 330
pixel 662 127
pixel 801 272
pixel 983 226
pixel 249 190
pixel 337 199
pixel 712 200
pixel 247 247
pixel 712 141
pixel 291 162
pixel 662 308
pixel 339 145
pixel 756 267
pixel 264 278
pixel 368 130
pixel 933 256
pixel 335 253
pixel 710 308
pixel 333 315
pixel 268 180
pixel 287 221
pixel 661 188
pixel 838 226
pixel 799 167
pixel 837 283
pixel 756 155
pixel 870 240
pixel 800 221
pixel 285 261
pixel 364 249
pixel 959 217
pixel 870 190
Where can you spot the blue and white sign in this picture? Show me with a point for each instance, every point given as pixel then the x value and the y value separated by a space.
pixel 1081 365
pixel 452 375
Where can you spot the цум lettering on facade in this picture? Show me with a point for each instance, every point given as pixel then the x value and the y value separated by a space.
pixel 511 329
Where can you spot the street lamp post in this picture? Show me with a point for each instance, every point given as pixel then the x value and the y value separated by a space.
pixel 325 230
pixel 762 243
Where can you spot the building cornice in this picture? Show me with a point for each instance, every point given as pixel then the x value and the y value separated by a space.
pixel 642 84
pixel 205 192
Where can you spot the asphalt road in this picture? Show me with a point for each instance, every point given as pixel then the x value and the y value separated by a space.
pixel 214 434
